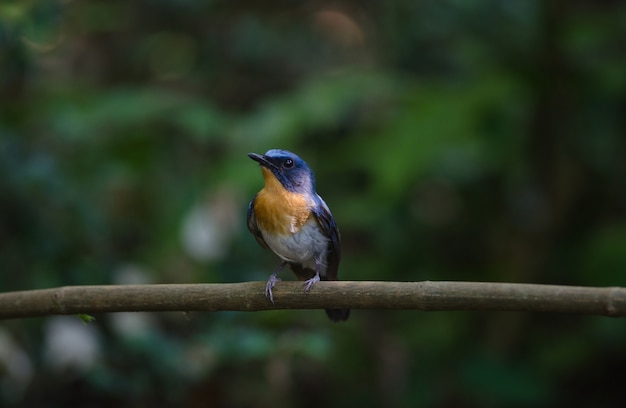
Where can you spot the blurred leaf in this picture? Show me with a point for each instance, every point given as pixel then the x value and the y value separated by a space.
pixel 85 318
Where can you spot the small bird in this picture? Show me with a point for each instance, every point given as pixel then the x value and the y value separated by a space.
pixel 288 217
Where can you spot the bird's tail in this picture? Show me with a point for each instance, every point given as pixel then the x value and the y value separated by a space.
pixel 338 315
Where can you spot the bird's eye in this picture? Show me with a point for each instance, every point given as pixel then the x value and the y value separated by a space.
pixel 288 164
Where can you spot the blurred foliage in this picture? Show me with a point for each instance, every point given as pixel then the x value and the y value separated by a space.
pixel 452 140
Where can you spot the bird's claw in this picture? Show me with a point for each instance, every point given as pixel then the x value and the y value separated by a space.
pixel 271 282
pixel 311 282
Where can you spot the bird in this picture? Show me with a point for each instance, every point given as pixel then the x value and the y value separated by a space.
pixel 289 218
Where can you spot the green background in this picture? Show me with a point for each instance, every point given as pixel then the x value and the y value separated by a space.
pixel 475 141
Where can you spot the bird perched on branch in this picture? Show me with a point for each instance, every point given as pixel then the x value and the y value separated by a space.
pixel 288 217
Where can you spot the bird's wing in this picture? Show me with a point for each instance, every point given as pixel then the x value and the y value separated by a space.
pixel 329 226
pixel 253 226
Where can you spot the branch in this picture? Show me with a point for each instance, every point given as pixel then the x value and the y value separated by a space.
pixel 250 296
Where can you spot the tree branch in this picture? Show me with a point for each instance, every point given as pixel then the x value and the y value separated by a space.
pixel 250 296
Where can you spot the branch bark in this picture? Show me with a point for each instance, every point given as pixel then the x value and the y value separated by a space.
pixel 250 296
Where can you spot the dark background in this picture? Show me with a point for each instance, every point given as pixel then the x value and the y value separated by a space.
pixel 477 141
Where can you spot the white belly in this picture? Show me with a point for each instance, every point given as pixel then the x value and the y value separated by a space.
pixel 307 247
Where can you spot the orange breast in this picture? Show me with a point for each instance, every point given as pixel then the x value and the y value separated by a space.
pixel 277 210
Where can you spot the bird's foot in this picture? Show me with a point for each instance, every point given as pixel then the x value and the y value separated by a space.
pixel 271 282
pixel 311 282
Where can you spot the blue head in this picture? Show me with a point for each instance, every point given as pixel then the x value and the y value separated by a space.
pixel 289 169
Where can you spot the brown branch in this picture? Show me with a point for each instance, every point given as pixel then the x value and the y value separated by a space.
pixel 249 296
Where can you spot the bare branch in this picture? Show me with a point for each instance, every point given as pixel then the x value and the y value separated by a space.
pixel 250 296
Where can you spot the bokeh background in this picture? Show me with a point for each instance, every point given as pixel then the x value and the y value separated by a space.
pixel 478 141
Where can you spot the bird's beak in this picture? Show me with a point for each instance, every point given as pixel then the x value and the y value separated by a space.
pixel 262 160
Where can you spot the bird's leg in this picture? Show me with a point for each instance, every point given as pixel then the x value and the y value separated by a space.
pixel 310 282
pixel 271 282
